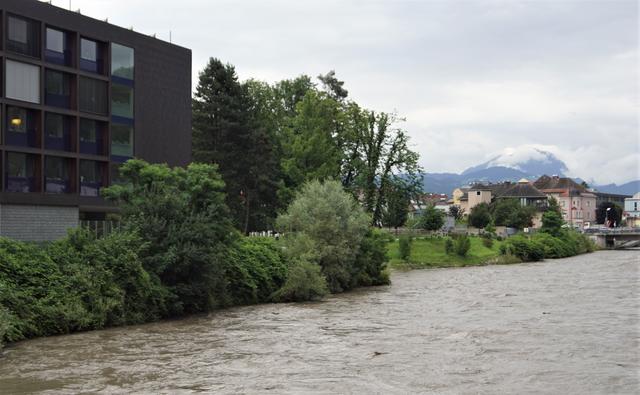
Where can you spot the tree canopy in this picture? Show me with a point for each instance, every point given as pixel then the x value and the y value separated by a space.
pixel 270 139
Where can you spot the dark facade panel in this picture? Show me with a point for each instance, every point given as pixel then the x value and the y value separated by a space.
pixel 161 91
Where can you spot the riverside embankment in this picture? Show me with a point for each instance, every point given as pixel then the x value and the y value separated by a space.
pixel 559 326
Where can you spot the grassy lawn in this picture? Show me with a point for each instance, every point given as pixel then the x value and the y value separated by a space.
pixel 429 252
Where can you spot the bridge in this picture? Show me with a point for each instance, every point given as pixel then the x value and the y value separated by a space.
pixel 615 238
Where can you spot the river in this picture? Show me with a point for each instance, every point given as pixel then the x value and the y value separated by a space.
pixel 567 326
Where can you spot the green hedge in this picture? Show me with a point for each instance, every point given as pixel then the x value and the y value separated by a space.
pixel 544 245
pixel 255 270
pixel 82 283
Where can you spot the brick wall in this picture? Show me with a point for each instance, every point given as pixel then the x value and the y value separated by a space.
pixel 36 223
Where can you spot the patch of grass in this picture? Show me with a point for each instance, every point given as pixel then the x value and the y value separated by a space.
pixel 430 252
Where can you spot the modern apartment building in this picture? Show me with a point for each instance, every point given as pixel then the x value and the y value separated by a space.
pixel 78 97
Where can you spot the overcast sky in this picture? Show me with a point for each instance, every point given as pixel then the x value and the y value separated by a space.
pixel 472 78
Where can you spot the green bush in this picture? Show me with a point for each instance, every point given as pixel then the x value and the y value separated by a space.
pixel 524 248
pixel 325 225
pixel 462 245
pixel 405 247
pixel 181 214
pixel 254 271
pixel 448 246
pixel 77 283
pixel 487 242
pixel 304 282
pixel 370 265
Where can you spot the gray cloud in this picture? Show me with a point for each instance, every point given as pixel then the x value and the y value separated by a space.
pixel 471 77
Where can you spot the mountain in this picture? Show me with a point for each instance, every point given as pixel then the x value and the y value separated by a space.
pixel 630 188
pixel 525 159
pixel 513 165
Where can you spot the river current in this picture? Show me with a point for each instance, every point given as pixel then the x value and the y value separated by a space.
pixel 569 326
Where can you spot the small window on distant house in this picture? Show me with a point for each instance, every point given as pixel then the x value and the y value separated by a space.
pixel 478 193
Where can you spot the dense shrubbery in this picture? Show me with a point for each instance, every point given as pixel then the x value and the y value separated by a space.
pixel 405 247
pixel 462 245
pixel 78 283
pixel 544 245
pixel 255 271
pixel 448 245
pixel 177 253
pixel 325 226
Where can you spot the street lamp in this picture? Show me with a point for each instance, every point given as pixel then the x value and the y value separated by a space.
pixel 607 217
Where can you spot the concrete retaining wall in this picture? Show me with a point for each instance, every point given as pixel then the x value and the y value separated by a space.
pixel 36 223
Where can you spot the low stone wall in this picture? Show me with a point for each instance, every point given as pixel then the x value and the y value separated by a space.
pixel 37 223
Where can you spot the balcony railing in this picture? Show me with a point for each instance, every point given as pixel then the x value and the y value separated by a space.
pixel 57 185
pixel 90 188
pixel 92 147
pixel 21 184
pixel 58 143
pixel 22 139
pixel 61 58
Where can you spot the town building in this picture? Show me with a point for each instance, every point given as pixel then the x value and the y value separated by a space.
pixel 523 191
pixel 78 97
pixel 604 197
pixel 632 211
pixel 578 205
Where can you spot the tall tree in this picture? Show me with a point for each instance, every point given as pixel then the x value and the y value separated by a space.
pixel 375 152
pixel 333 86
pixel 552 218
pixel 309 149
pixel 480 216
pixel 227 132
pixel 396 208
pixel 431 219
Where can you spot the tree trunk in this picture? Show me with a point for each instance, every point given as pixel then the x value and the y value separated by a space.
pixel 247 207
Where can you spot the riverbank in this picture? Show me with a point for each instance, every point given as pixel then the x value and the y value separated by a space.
pixel 430 252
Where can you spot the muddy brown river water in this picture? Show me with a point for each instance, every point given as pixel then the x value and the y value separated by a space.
pixel 569 326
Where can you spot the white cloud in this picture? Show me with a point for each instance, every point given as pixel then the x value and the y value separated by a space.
pixel 471 78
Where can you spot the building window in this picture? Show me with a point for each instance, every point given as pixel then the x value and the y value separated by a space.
pixel 588 203
pixel 478 193
pixel 91 140
pixel 88 50
pixel 122 62
pixel 57 89
pixel 57 47
pixel 57 134
pixel 121 101
pixel 90 57
pixel 17 120
pixel 121 141
pixel 21 127
pixel 56 173
pixel 93 96
pixel 90 178
pixel 116 177
pixel 23 36
pixel 55 40
pixel 23 82
pixel 20 173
